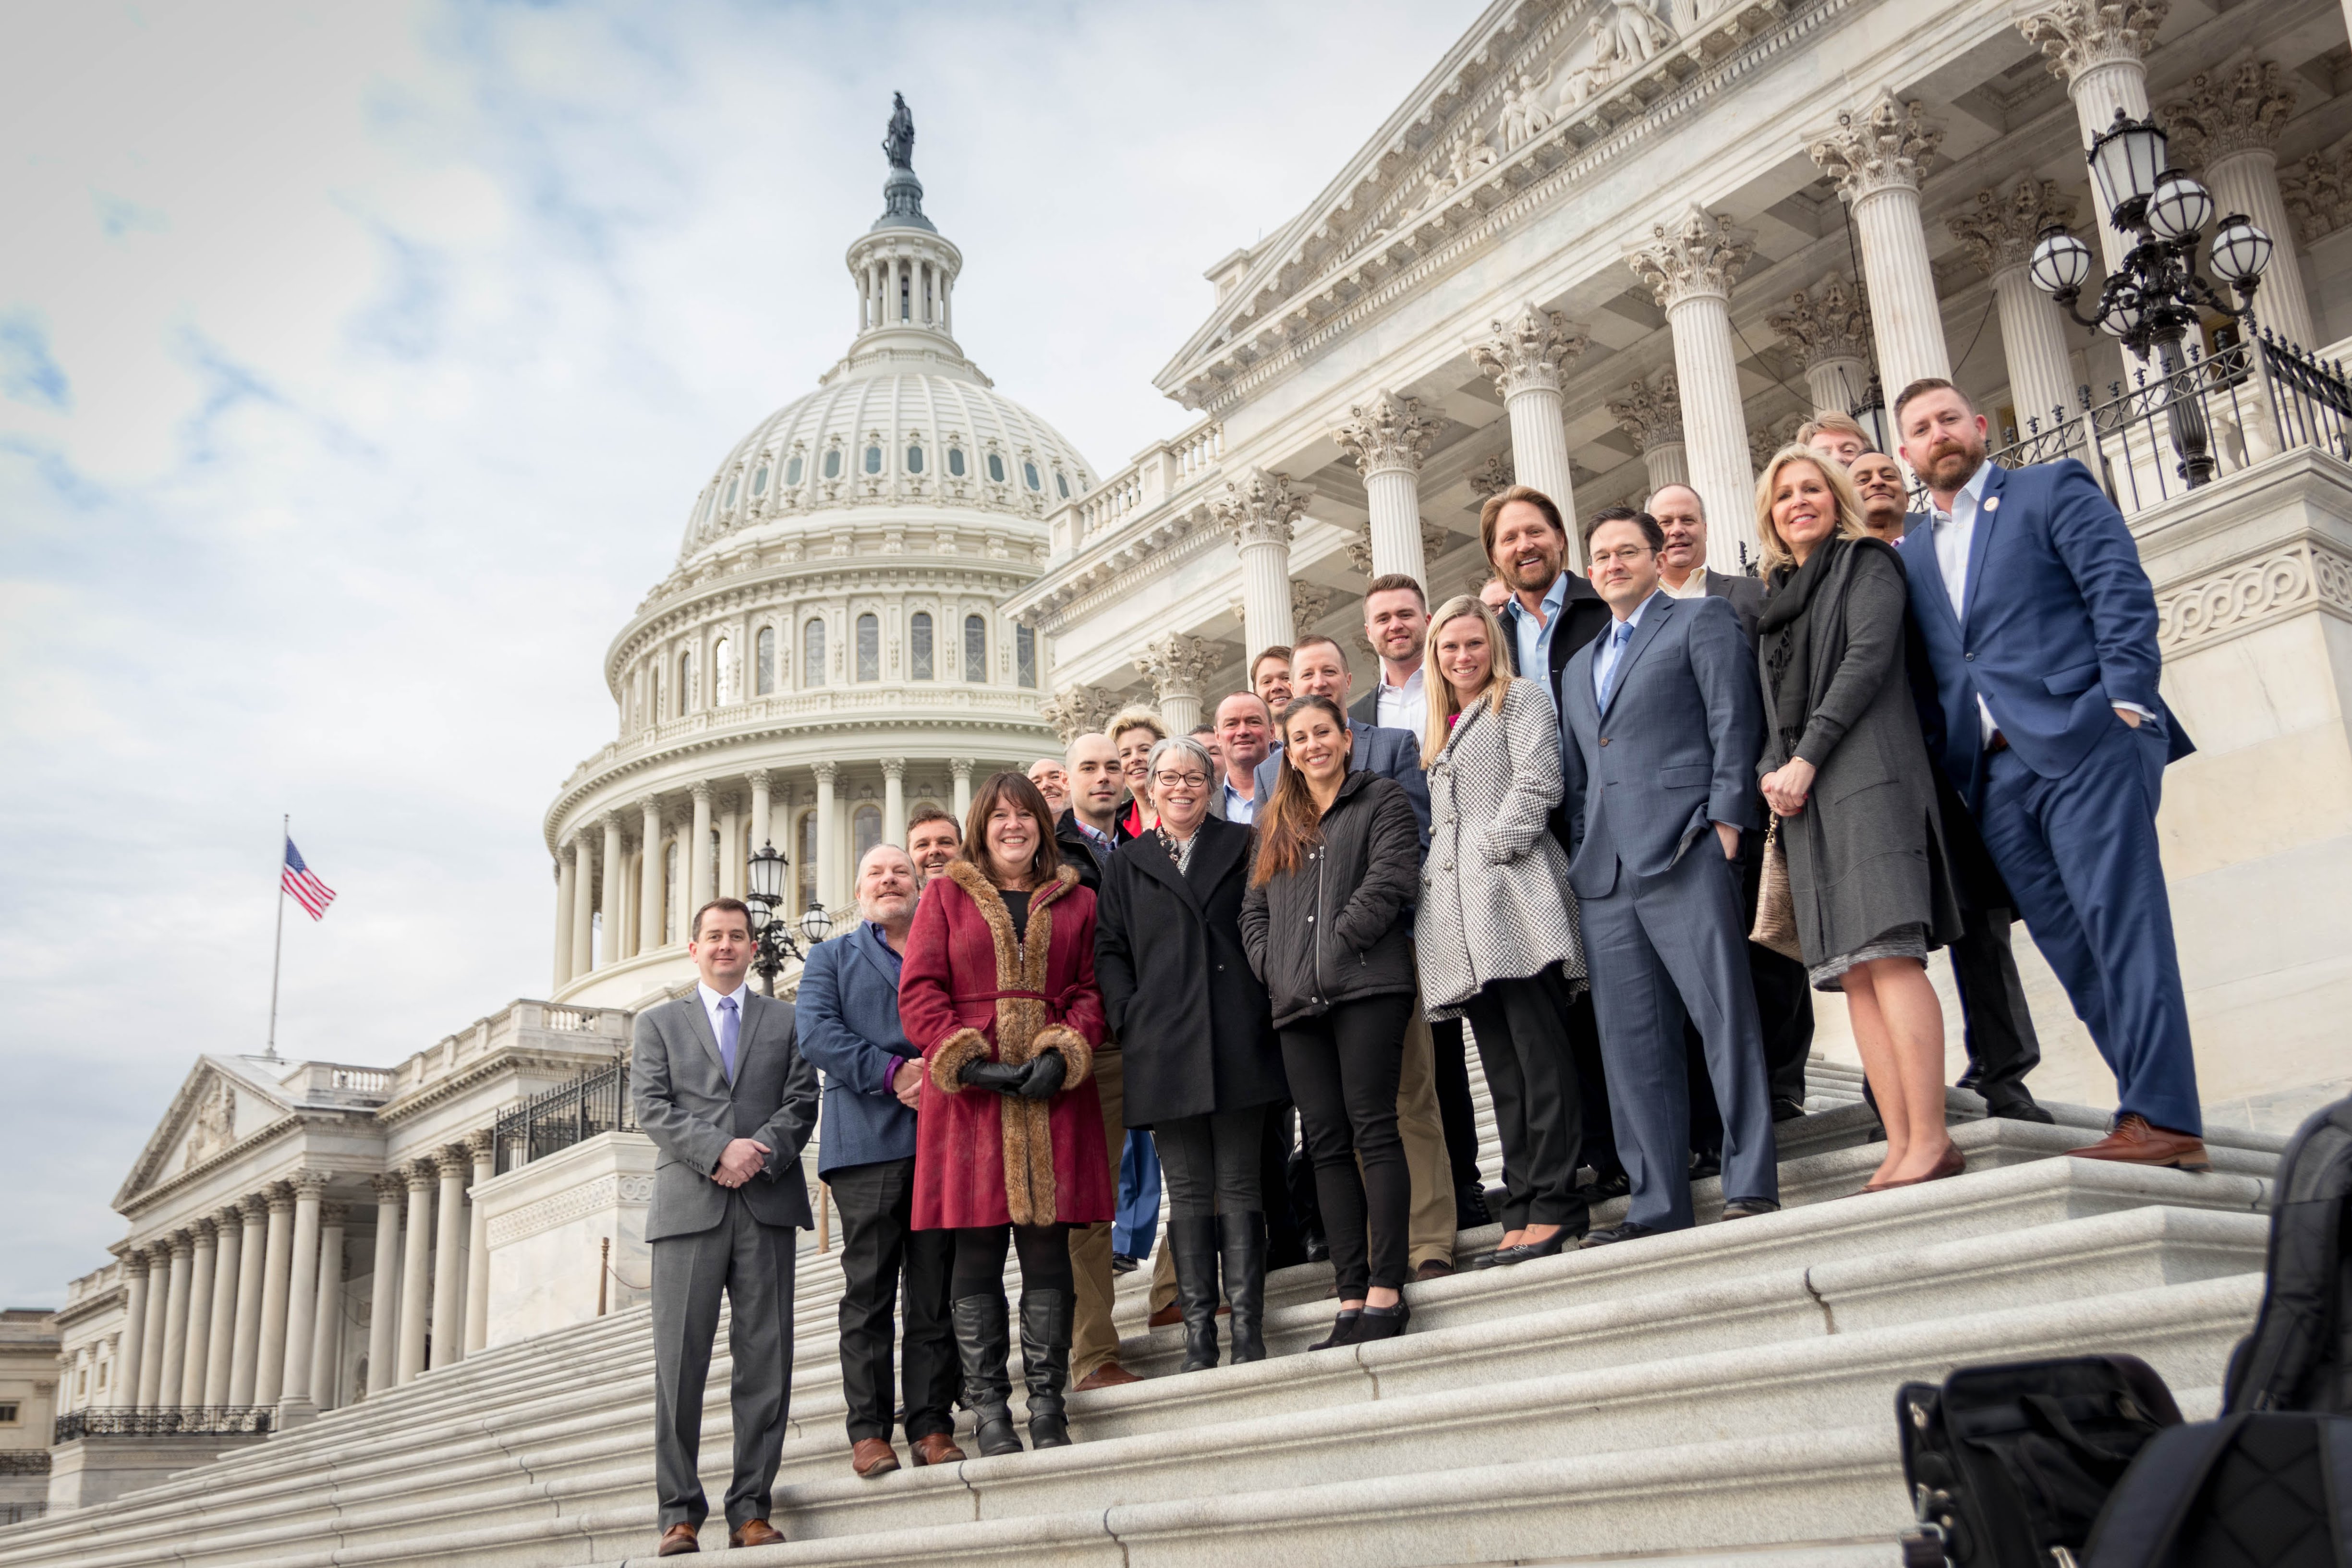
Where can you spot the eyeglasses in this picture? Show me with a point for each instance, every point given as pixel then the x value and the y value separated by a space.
pixel 1179 781
pixel 1627 553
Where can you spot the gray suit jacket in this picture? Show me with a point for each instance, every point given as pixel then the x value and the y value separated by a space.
pixel 1746 595
pixel 1675 751
pixel 686 1106
pixel 1390 753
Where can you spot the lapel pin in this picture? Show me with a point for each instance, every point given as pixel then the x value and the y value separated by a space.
pixel 1992 503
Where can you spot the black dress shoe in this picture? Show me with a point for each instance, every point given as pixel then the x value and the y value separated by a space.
pixel 1626 1231
pixel 1382 1322
pixel 1705 1162
pixel 1317 1250
pixel 1748 1208
pixel 1120 1263
pixel 2020 1110
pixel 1343 1330
pixel 1786 1110
pixel 1528 1252
pixel 1602 1187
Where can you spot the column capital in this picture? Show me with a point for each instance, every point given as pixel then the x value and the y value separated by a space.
pixel 181 1244
pixel 1531 351
pixel 454 1160
pixel 758 778
pixel 2241 107
pixel 1885 147
pixel 1493 477
pixel 1261 508
pixel 205 1228
pixel 254 1205
pixel 1699 256
pixel 701 790
pixel 2077 36
pixel 1653 415
pixel 1180 665
pixel 419 1175
pixel 570 848
pixel 2318 195
pixel 481 1140
pixel 389 1188
pixel 825 771
pixel 1765 439
pixel 281 1197
pixel 309 1184
pixel 962 768
pixel 1831 323
pixel 1307 602
pixel 649 807
pixel 1075 709
pixel 1999 229
pixel 612 821
pixel 230 1217
pixel 895 768
pixel 335 1213
pixel 1389 432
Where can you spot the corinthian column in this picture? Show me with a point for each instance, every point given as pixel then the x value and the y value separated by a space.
pixel 269 1360
pixel 383 1287
pixel 327 1325
pixel 481 1147
pixel 176 1320
pixel 1388 437
pixel 960 769
pixel 132 1364
pixel 828 854
pixel 583 927
pixel 894 801
pixel 2227 125
pixel 608 951
pixel 760 829
pixel 200 1312
pixel 1529 359
pixel 1653 417
pixel 301 1297
pixel 1263 510
pixel 252 1265
pixel 652 931
pixel 567 884
pixel 1998 235
pixel 455 1163
pixel 1179 666
pixel 1875 159
pixel 416 1270
pixel 697 870
pixel 220 1350
pixel 2099 50
pixel 1829 331
pixel 1690 268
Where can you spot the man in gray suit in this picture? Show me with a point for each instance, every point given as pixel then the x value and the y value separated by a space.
pixel 723 1091
pixel 1318 667
pixel 1661 722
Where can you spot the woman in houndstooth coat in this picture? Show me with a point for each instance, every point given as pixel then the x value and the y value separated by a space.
pixel 1495 929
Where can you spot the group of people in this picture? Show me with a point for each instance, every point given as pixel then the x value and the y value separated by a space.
pixel 1591 815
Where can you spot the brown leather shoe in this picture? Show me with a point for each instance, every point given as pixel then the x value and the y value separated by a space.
pixel 756 1532
pixel 2135 1142
pixel 1167 1317
pixel 1111 1374
pixel 1435 1268
pixel 678 1541
pixel 935 1449
pixel 871 1456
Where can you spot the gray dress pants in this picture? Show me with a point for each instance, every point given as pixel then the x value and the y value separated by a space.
pixel 751 1264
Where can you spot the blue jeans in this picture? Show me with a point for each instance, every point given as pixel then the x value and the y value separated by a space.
pixel 1138 1197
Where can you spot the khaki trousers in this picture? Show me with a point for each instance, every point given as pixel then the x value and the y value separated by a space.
pixel 1093 1339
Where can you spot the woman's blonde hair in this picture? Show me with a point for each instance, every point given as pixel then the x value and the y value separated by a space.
pixel 1439 692
pixel 1777 552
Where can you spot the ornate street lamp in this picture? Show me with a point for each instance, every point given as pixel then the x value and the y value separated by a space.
pixel 2156 297
pixel 769 871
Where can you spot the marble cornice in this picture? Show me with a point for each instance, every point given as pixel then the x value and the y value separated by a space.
pixel 615 1190
pixel 96 1304
pixel 509 1062
pixel 1133 553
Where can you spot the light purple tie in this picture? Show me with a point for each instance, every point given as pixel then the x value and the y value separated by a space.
pixel 729 1032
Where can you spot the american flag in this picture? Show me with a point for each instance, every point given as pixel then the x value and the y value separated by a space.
pixel 299 879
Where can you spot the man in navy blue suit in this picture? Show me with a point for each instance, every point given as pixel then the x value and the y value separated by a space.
pixel 873 1080
pixel 2040 629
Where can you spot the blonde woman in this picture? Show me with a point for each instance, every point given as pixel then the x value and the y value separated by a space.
pixel 1495 926
pixel 1847 773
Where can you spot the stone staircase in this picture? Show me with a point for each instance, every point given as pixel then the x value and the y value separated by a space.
pixel 1721 1397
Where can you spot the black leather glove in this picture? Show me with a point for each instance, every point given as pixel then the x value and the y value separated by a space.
pixel 1002 1077
pixel 1043 1076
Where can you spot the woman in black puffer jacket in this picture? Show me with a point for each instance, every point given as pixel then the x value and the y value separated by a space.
pixel 1328 926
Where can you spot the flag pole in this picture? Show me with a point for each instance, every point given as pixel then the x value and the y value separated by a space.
pixel 278 948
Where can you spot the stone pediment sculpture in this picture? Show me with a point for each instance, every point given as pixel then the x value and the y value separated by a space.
pixel 214 1126
pixel 1525 115
pixel 216 1105
pixel 1625 36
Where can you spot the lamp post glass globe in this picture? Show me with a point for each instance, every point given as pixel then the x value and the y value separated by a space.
pixel 2060 263
pixel 2241 250
pixel 816 925
pixel 2179 208
pixel 2127 159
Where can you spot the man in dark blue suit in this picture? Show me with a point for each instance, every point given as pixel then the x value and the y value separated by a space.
pixel 2040 630
pixel 873 1081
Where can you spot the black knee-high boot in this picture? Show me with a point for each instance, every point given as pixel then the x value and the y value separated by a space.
pixel 1045 1317
pixel 1194 1245
pixel 983 1337
pixel 1241 1238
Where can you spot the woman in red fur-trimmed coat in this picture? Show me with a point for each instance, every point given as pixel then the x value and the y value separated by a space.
pixel 998 992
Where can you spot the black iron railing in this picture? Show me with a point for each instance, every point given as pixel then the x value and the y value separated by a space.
pixel 24 1461
pixel 594 1103
pixel 164 1420
pixel 2216 414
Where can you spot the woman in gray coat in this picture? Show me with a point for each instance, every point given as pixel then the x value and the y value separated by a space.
pixel 1495 929
pixel 1847 773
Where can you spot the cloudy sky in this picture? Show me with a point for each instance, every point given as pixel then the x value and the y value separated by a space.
pixel 357 366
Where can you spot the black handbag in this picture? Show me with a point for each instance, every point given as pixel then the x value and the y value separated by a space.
pixel 2009 1466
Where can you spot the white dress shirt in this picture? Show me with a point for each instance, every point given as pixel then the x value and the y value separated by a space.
pixel 1694 586
pixel 1605 657
pixel 1401 706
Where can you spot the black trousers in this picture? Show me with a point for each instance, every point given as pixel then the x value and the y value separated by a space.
pixel 1593 1089
pixel 1286 1244
pixel 979 1259
pixel 1212 1162
pixel 1522 1029
pixel 1457 1113
pixel 1343 1075
pixel 2000 1035
pixel 883 1261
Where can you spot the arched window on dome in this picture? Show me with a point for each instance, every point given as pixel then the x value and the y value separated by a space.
pixel 955 462
pixel 766 647
pixel 805 862
pixel 996 467
pixel 685 682
pixel 1061 483
pixel 919 646
pixel 793 472
pixel 975 649
pixel 914 459
pixel 759 481
pixel 869 648
pixel 731 486
pixel 1029 476
pixel 864 831
pixel 813 652
pixel 833 463
pixel 722 672
pixel 1024 657
pixel 873 459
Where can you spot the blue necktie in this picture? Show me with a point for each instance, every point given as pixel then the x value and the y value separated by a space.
pixel 1616 659
pixel 730 1031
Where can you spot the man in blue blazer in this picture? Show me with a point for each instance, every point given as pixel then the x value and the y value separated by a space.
pixel 873 1080
pixel 1661 722
pixel 2040 629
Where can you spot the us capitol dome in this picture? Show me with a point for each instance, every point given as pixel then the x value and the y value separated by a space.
pixel 830 652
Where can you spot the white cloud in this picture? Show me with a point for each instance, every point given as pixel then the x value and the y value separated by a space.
pixel 357 367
